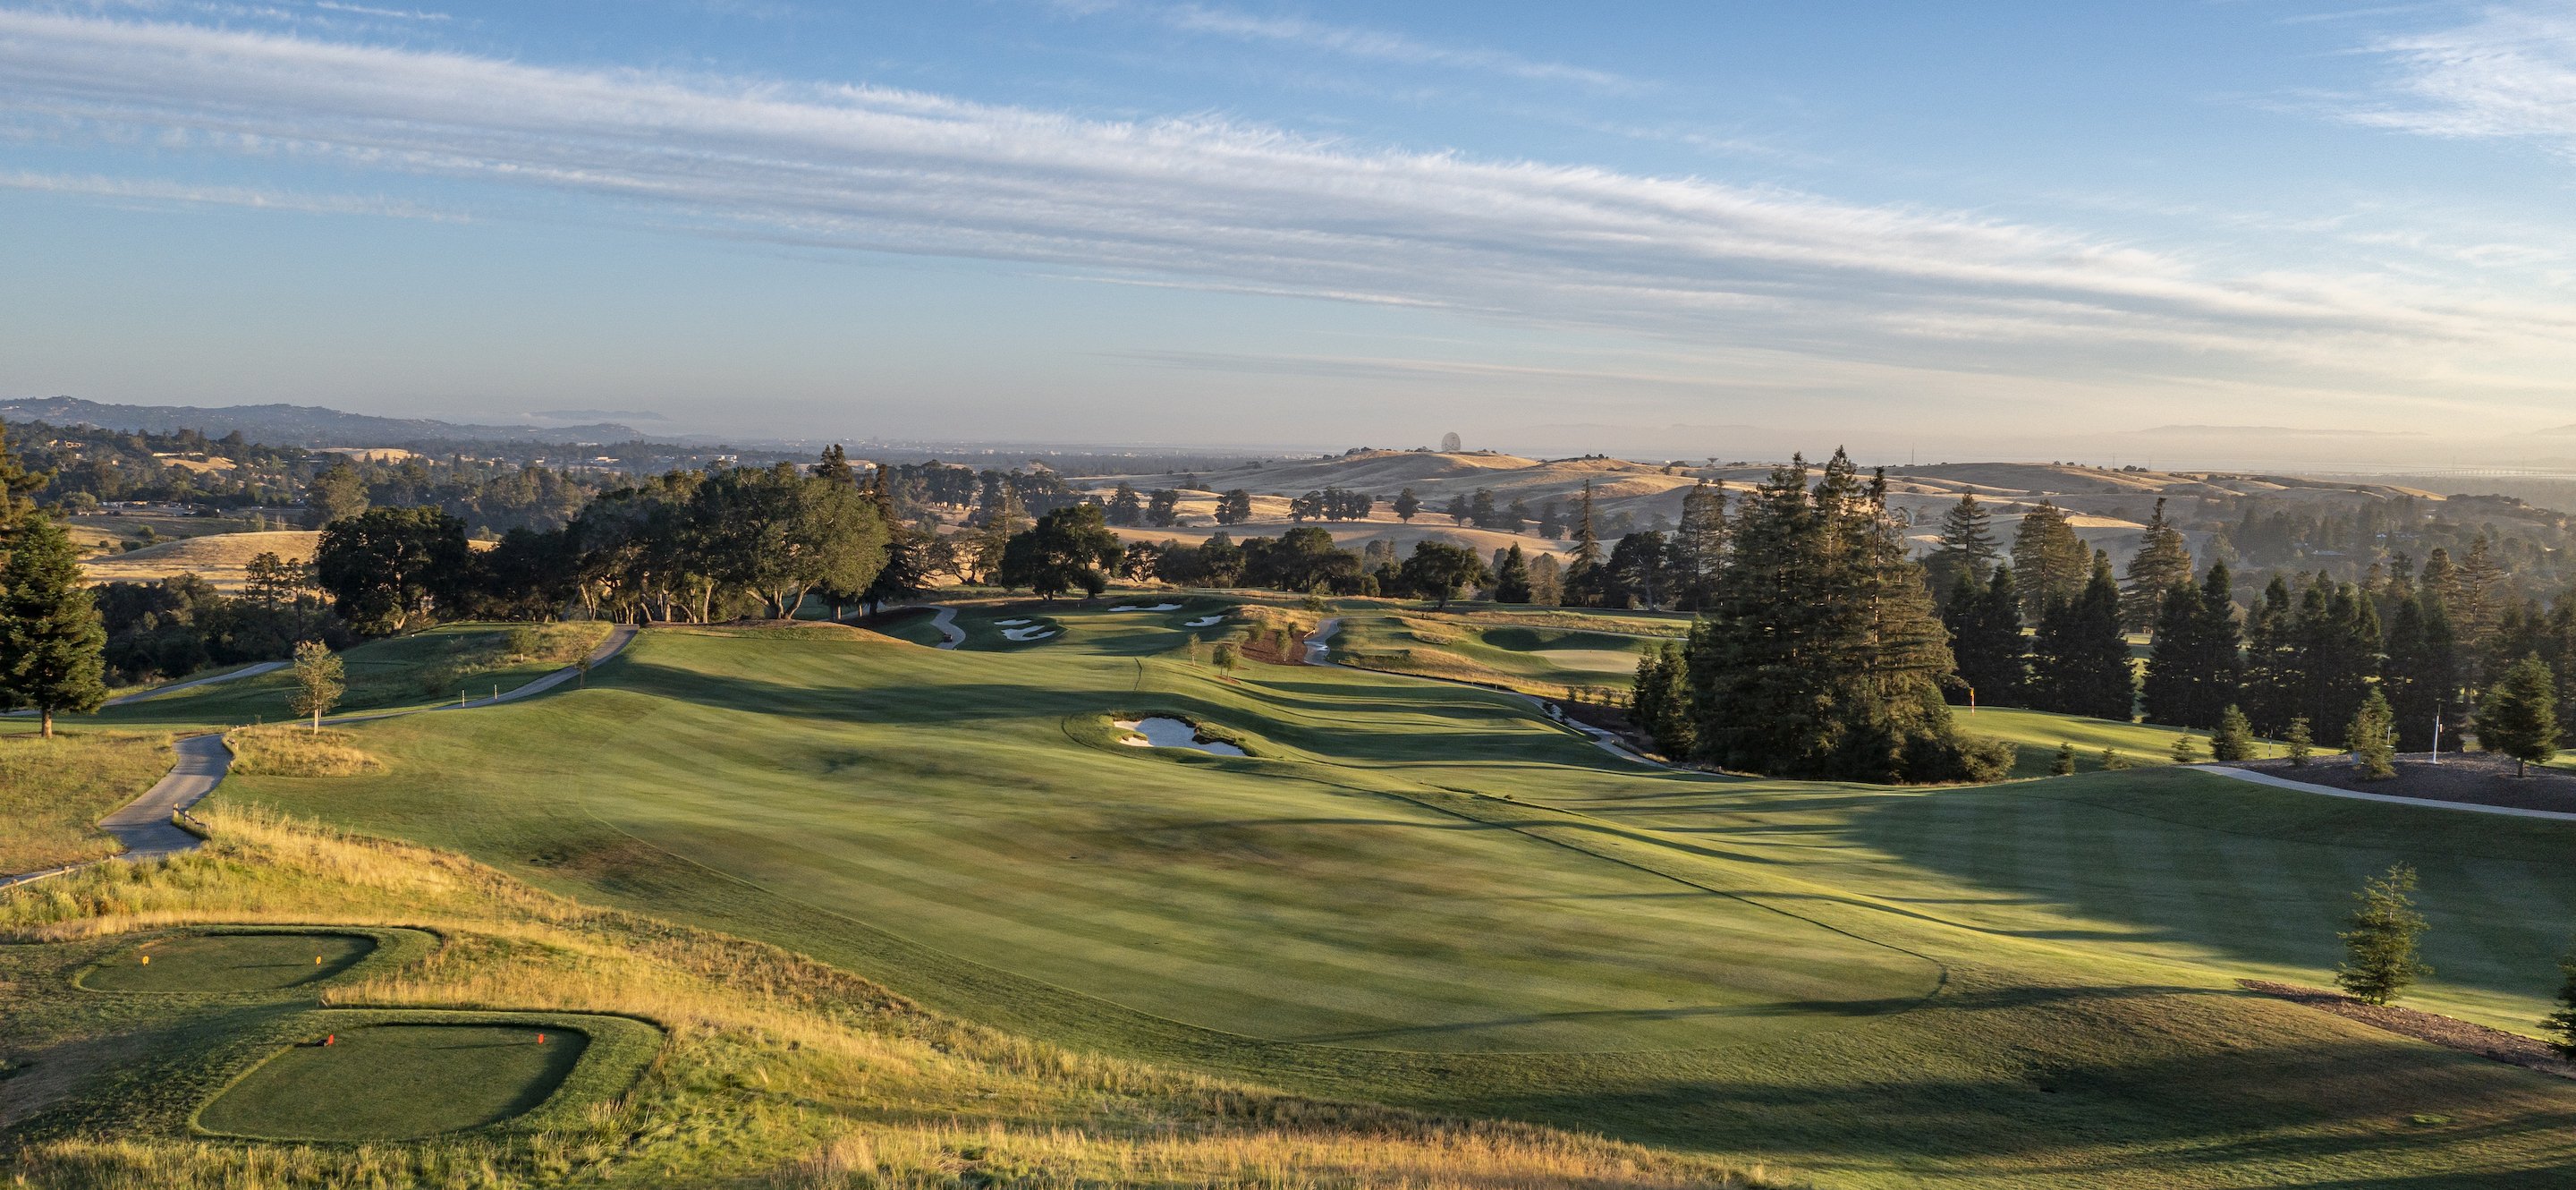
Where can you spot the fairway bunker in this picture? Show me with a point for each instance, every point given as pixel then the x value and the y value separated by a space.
pixel 1139 607
pixel 215 963
pixel 1163 731
pixel 1009 623
pixel 1032 632
pixel 398 1081
pixel 1204 622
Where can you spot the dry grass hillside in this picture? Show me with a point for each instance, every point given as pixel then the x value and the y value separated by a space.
pixel 220 559
pixel 2109 507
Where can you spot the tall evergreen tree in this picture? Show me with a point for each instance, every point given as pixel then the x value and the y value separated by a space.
pixel 1699 545
pixel 1820 656
pixel 2081 666
pixel 2478 602
pixel 1512 577
pixel 17 487
pixel 2162 563
pixel 2196 671
pixel 835 467
pixel 2421 674
pixel 1636 573
pixel 1966 547
pixel 2519 715
pixel 2273 678
pixel 1585 583
pixel 2337 642
pixel 52 644
pixel 1986 640
pixel 1660 700
pixel 2381 945
pixel 2050 563
pixel 2367 739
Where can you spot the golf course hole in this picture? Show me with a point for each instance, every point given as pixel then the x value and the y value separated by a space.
pixel 214 963
pixel 1164 731
pixel 398 1081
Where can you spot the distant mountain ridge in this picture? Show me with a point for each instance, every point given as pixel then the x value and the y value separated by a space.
pixel 298 425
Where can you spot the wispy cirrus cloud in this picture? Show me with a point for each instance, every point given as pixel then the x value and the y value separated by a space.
pixel 1353 41
pixel 161 191
pixel 1224 205
pixel 2511 73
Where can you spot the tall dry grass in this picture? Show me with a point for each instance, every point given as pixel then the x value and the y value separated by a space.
pixel 53 792
pixel 293 750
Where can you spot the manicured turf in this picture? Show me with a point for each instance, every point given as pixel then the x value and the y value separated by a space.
pixel 2037 734
pixel 1541 660
pixel 390 1081
pixel 221 962
pixel 2027 984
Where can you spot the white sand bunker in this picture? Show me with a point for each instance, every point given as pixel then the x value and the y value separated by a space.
pixel 1033 632
pixel 1010 623
pixel 1163 731
pixel 1203 622
pixel 1138 607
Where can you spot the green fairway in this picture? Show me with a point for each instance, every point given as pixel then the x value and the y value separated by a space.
pixel 390 1081
pixel 1542 660
pixel 423 668
pixel 2037 734
pixel 226 962
pixel 2020 984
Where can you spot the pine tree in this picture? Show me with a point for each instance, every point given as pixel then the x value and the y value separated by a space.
pixel 2064 764
pixel 2194 670
pixel 1584 580
pixel 2367 739
pixel 1406 505
pixel 1699 545
pixel 1986 640
pixel 2297 743
pixel 2421 673
pixel 1821 656
pixel 2234 739
pixel 2563 1021
pixel 2050 563
pixel 17 486
pixel 2082 664
pixel 2478 602
pixel 835 466
pixel 2519 715
pixel 2162 563
pixel 51 640
pixel 2336 643
pixel 1512 577
pixel 2273 682
pixel 1660 700
pixel 2381 945
pixel 1966 547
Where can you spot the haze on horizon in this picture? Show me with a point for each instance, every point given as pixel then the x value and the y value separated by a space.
pixel 2307 229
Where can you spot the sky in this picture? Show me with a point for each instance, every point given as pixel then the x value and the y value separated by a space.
pixel 1994 230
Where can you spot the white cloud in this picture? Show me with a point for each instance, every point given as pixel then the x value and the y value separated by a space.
pixel 2510 73
pixel 152 190
pixel 1372 44
pixel 1223 205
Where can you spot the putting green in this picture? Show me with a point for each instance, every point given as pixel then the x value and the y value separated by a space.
pixel 222 962
pixel 394 1081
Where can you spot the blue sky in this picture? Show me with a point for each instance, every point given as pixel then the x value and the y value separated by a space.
pixel 1686 229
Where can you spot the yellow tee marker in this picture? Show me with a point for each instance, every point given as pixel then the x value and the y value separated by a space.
pixel 317 960
pixel 147 960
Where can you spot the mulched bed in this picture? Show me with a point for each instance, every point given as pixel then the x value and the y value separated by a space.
pixel 2476 778
pixel 2447 1032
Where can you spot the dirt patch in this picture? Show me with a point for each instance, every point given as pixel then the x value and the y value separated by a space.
pixel 2473 778
pixel 2447 1032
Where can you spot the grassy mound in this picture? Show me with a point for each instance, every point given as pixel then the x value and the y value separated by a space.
pixel 395 1081
pixel 221 962
pixel 53 792
pixel 293 750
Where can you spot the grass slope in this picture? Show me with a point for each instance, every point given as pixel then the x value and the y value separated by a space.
pixel 53 792
pixel 1422 894
pixel 1538 660
pixel 768 1068
pixel 222 559
pixel 419 669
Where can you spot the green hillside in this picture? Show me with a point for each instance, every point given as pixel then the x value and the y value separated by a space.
pixel 1423 894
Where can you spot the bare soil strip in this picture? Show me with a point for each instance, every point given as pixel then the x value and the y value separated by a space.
pixel 2447 1032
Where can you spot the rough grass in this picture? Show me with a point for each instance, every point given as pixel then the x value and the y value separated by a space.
pixel 1550 661
pixel 1422 894
pixel 776 1069
pixel 294 750
pixel 53 792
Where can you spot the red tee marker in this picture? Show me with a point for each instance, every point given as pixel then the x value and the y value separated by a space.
pixel 541 1039
pixel 330 1039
